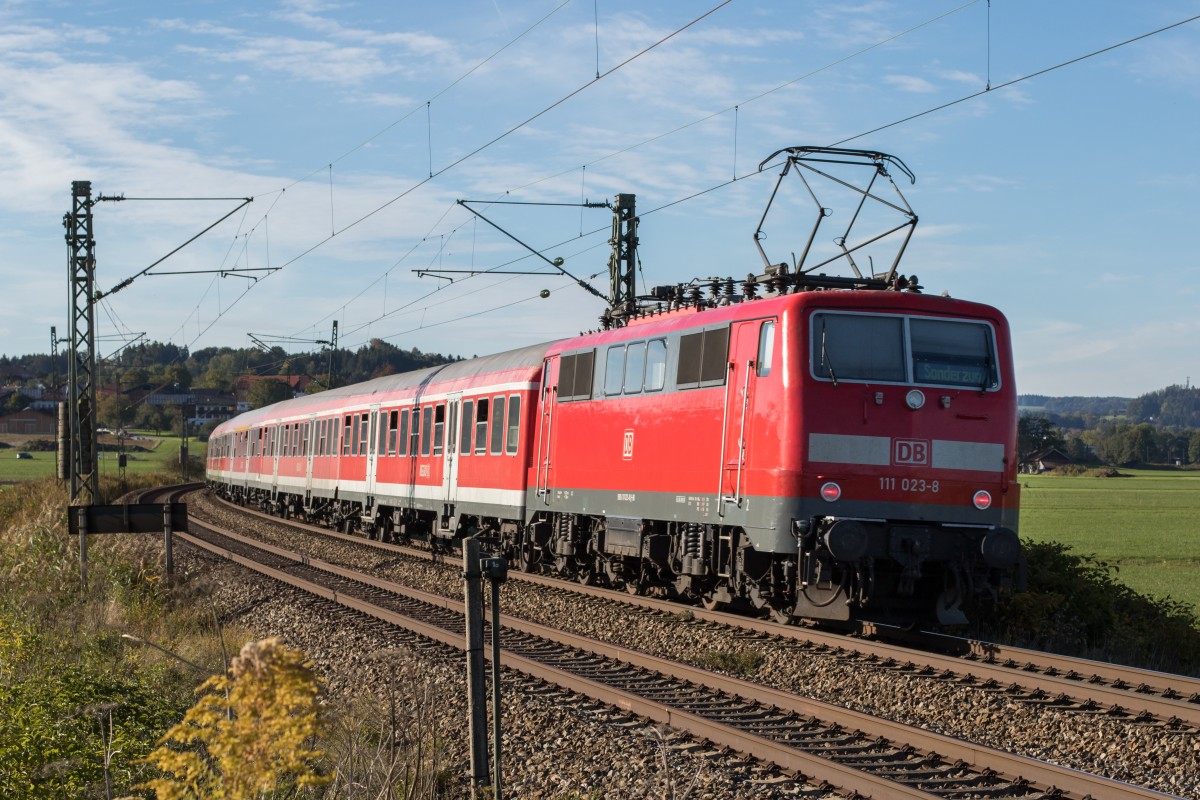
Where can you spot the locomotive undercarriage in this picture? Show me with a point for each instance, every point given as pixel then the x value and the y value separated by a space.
pixel 842 569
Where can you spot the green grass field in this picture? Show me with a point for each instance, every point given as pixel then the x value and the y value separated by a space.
pixel 1147 525
pixel 161 453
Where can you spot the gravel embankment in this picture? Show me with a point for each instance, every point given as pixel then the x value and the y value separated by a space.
pixel 1121 749
pixel 555 745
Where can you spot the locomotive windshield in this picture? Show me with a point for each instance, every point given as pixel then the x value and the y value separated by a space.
pixel 894 349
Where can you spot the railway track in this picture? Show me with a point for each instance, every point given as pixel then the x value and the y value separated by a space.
pixel 1092 687
pixel 851 750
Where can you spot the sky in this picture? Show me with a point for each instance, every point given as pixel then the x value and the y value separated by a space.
pixel 1055 165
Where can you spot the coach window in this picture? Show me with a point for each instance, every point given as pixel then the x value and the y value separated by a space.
pixel 464 435
pixel 305 429
pixel 402 444
pixel 614 369
pixel 426 429
pixel 439 428
pixel 635 367
pixel 481 421
pixel 514 424
pixel 297 448
pixel 656 365
pixel 414 436
pixel 498 425
pixel 347 436
pixel 766 348
pixel 362 434
pixel 393 424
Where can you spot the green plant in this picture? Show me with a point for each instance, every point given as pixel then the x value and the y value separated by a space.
pixel 737 662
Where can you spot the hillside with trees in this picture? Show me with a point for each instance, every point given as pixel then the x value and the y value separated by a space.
pixel 161 364
pixel 1160 427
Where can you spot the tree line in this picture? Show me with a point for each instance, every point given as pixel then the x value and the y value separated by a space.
pixel 168 365
pixel 1118 443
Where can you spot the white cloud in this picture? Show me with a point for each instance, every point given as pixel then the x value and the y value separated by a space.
pixel 910 83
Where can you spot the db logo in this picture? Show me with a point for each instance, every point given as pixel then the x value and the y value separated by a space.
pixel 910 451
pixel 627 448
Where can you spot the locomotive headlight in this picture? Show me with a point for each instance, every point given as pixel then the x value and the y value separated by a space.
pixel 914 399
pixel 830 492
pixel 982 500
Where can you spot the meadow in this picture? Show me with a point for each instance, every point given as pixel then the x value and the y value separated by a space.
pixel 143 455
pixel 1146 525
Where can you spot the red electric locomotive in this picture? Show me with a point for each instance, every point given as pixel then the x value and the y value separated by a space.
pixel 844 449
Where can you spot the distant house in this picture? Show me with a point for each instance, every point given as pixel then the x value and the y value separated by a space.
pixel 201 405
pixel 1044 460
pixel 30 421
pixel 241 387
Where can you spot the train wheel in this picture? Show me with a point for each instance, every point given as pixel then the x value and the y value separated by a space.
pixel 632 577
pixel 525 557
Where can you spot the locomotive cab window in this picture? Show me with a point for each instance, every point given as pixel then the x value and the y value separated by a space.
pixel 766 348
pixel 952 353
pixel 892 349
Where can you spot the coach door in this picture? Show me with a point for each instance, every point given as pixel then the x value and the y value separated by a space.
pixel 545 437
pixel 372 452
pixel 309 449
pixel 274 446
pixel 450 455
pixel 742 374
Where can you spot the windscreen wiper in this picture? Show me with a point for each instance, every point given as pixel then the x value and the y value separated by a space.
pixel 825 361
